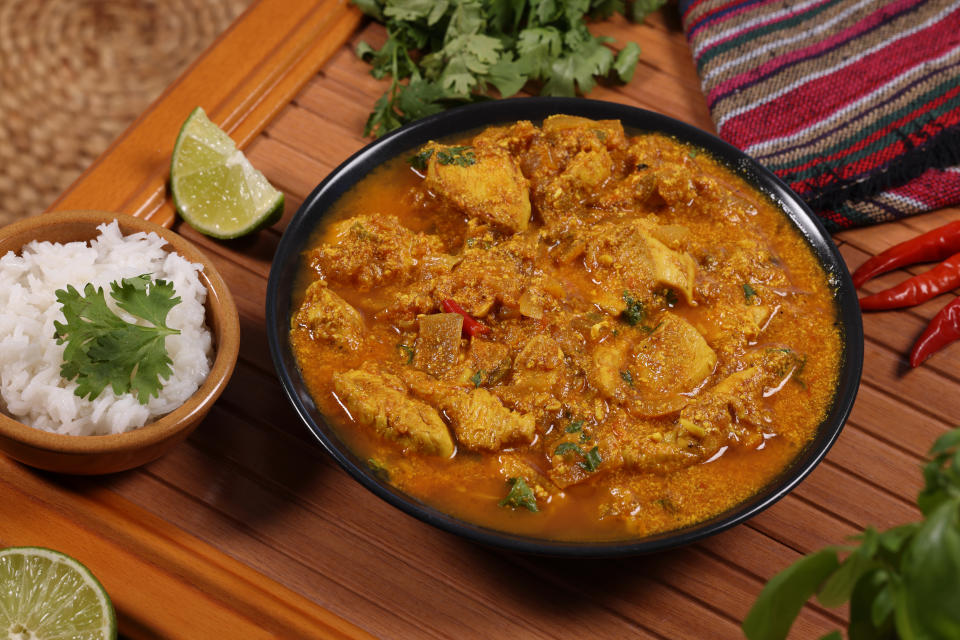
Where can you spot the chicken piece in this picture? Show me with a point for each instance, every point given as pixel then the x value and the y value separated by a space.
pixel 483 182
pixel 514 138
pixel 540 378
pixel 380 400
pixel 675 236
pixel 729 413
pixel 438 342
pixel 571 165
pixel 670 167
pixel 586 172
pixel 403 308
pixel 736 323
pixel 479 420
pixel 674 359
pixel 676 185
pixel 661 454
pixel 537 367
pixel 751 262
pixel 491 358
pixel 625 256
pixel 649 374
pixel 732 410
pixel 653 150
pixel 487 275
pixel 559 127
pixel 329 318
pixel 543 294
pixel 368 251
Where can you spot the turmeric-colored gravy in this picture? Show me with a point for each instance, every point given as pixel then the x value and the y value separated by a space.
pixel 566 332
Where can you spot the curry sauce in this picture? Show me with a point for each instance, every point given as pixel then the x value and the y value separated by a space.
pixel 567 332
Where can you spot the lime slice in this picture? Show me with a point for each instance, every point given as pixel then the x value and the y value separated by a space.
pixel 215 188
pixel 45 594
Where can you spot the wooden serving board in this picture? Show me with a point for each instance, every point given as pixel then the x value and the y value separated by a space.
pixel 248 529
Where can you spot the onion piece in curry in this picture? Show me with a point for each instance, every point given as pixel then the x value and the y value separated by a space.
pixel 648 340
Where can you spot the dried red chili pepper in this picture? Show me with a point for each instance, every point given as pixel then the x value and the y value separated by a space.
pixel 942 330
pixel 931 246
pixel 471 326
pixel 918 289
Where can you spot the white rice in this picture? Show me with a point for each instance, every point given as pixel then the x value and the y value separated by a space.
pixel 31 389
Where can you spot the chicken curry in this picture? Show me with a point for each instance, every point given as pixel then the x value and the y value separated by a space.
pixel 566 331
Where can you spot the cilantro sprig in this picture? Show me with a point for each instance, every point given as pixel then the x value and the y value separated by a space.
pixel 104 349
pixel 441 54
pixel 520 496
pixel 591 459
pixel 900 583
pixel 635 313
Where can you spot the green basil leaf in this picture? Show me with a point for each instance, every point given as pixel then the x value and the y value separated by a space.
pixel 866 621
pixel 837 589
pixel 881 610
pixel 780 601
pixel 946 442
pixel 892 540
pixel 929 602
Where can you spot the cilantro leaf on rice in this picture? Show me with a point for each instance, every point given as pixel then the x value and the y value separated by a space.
pixel 103 348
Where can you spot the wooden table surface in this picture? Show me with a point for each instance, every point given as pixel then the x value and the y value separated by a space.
pixel 249 529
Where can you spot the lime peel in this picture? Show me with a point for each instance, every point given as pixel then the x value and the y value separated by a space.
pixel 215 189
pixel 47 594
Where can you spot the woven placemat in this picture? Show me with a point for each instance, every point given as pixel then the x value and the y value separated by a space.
pixel 75 73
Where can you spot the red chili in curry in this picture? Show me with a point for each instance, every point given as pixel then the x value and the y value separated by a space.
pixel 471 327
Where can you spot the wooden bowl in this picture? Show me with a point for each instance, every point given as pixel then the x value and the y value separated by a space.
pixel 111 453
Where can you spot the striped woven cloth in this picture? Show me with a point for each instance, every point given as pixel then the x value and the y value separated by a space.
pixel 854 103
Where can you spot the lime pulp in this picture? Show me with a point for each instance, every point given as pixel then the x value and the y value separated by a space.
pixel 215 188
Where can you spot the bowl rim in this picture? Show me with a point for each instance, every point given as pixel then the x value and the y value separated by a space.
pixel 472 117
pixel 226 336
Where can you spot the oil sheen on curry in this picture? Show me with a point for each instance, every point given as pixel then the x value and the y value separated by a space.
pixel 567 332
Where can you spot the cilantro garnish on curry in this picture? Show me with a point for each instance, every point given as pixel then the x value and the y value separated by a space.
pixel 565 331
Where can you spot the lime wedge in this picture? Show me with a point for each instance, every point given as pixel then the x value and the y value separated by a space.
pixel 215 188
pixel 45 594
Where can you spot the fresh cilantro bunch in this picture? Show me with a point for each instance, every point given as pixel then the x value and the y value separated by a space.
pixel 902 583
pixel 104 349
pixel 455 51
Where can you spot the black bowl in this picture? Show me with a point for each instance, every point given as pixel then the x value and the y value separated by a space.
pixel 287 261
